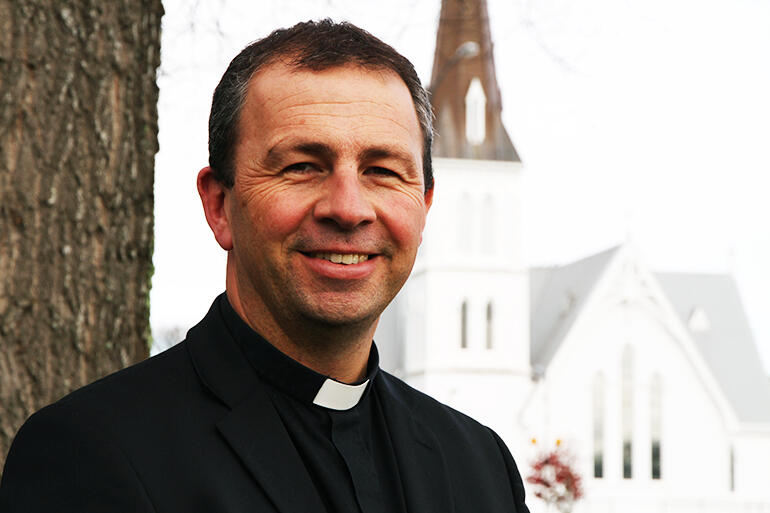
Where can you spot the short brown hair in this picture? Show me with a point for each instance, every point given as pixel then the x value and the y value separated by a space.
pixel 313 45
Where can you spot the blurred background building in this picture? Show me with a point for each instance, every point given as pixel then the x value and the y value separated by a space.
pixel 651 381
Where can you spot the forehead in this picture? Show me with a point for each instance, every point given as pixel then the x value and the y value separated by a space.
pixel 279 94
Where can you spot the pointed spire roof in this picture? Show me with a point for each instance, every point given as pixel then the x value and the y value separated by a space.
pixel 464 53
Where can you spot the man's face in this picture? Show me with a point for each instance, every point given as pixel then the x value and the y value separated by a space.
pixel 328 206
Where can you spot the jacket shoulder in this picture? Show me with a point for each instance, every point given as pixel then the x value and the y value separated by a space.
pixel 66 457
pixel 475 456
pixel 430 411
pixel 138 382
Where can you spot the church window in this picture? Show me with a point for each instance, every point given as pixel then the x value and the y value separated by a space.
pixel 465 223
pixel 732 468
pixel 488 222
pixel 655 424
pixel 475 113
pixel 464 325
pixel 699 321
pixel 490 331
pixel 598 405
pixel 627 391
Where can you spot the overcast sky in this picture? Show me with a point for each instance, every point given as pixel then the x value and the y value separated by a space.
pixel 643 121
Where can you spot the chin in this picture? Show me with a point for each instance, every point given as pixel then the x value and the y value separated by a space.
pixel 342 317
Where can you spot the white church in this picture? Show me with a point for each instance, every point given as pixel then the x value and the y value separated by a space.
pixel 651 381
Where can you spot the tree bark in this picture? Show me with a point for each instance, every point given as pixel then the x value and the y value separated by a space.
pixel 78 135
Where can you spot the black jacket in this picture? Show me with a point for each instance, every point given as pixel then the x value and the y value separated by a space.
pixel 192 430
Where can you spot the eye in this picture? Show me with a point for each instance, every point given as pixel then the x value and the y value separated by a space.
pixel 301 168
pixel 381 171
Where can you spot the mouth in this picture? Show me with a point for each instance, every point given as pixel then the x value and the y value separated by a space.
pixel 341 258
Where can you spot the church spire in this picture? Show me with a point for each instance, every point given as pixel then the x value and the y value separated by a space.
pixel 464 90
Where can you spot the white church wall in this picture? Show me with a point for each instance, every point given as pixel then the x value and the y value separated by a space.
pixel 476 216
pixel 472 253
pixel 414 312
pixel 487 383
pixel 491 398
pixel 751 452
pixel 389 337
pixel 449 289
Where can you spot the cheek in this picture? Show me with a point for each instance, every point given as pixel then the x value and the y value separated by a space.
pixel 272 218
pixel 272 204
pixel 405 221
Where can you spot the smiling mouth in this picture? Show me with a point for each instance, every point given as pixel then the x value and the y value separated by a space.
pixel 341 258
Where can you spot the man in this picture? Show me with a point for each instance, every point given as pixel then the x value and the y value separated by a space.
pixel 318 188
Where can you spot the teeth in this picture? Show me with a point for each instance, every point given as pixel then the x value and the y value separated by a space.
pixel 345 259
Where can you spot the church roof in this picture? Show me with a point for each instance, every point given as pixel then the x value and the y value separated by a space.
pixel 708 305
pixel 557 295
pixel 725 341
pixel 464 56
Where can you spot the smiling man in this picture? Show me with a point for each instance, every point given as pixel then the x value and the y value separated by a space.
pixel 318 188
pixel 326 212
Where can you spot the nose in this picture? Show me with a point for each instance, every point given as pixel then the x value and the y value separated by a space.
pixel 344 201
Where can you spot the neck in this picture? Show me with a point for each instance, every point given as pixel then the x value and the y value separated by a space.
pixel 338 351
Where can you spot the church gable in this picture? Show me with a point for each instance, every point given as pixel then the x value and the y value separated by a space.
pixel 710 307
pixel 557 295
pixel 624 298
pixel 626 349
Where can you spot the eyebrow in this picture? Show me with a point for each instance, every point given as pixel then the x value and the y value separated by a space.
pixel 380 152
pixel 321 150
pixel 326 152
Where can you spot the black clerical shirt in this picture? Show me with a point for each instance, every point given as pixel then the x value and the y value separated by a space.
pixel 339 430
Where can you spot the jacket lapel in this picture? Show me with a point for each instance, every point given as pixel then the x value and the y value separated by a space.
pixel 421 464
pixel 252 428
pixel 255 432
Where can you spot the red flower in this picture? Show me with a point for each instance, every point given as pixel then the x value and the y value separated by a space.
pixel 555 481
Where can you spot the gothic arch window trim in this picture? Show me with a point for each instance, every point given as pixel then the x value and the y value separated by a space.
pixel 599 392
pixel 488 226
pixel 656 425
pixel 475 113
pixel 627 410
pixel 490 325
pixel 465 220
pixel 732 468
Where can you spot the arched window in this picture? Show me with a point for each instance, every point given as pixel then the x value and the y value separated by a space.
pixel 488 225
pixel 465 218
pixel 464 325
pixel 732 468
pixel 598 406
pixel 656 401
pixel 627 390
pixel 475 113
pixel 490 330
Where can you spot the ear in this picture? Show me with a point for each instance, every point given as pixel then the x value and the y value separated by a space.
pixel 428 203
pixel 213 196
pixel 429 197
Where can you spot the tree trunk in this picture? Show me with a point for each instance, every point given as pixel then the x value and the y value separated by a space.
pixel 78 135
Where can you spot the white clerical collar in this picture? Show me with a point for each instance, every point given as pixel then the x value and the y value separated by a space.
pixel 339 396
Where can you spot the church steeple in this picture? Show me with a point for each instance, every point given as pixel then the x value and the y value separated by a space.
pixel 464 90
